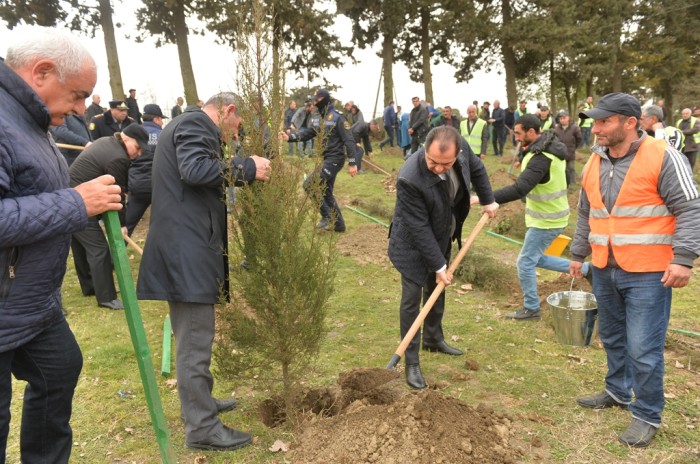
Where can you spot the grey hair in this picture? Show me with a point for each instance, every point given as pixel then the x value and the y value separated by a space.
pixel 224 99
pixel 653 110
pixel 59 46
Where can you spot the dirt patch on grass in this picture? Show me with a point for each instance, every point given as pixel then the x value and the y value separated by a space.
pixel 383 422
pixel 367 244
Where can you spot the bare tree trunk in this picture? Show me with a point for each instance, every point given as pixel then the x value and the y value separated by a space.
pixel 387 63
pixel 552 90
pixel 425 53
pixel 508 57
pixel 183 53
pixel 115 73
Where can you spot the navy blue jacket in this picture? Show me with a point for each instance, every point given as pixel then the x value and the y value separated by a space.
pixel 38 214
pixel 73 131
pixel 140 170
pixel 389 116
pixel 419 237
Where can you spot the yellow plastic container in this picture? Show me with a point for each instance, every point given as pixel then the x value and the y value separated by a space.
pixel 557 247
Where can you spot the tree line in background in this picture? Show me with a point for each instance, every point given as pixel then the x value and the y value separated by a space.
pixel 573 49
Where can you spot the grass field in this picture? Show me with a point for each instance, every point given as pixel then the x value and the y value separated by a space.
pixel 517 368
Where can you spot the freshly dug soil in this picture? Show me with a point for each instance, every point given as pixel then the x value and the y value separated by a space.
pixel 381 421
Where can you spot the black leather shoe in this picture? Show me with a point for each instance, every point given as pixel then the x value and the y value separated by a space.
pixel 523 315
pixel 639 434
pixel 442 347
pixel 599 401
pixel 414 377
pixel 114 304
pixel 225 405
pixel 226 439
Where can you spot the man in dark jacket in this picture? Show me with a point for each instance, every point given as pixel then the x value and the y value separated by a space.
pixel 45 76
pixel 133 112
pixel 498 124
pixel 111 121
pixel 569 133
pixel 140 169
pixel 418 124
pixel 93 262
pixel 389 120
pixel 184 260
pixel 360 132
pixel 432 202
pixel 543 183
pixel 336 143
pixel 73 131
pixel 94 109
pixel 448 118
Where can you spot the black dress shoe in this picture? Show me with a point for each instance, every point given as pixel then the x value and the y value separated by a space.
pixel 442 347
pixel 414 377
pixel 225 405
pixel 226 439
pixel 114 304
pixel 600 400
pixel 639 434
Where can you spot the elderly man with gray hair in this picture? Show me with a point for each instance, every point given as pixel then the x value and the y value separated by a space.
pixel 690 127
pixel 652 122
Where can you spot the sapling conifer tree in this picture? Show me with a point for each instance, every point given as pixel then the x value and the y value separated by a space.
pixel 274 325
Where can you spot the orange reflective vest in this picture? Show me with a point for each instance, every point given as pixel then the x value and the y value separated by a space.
pixel 639 229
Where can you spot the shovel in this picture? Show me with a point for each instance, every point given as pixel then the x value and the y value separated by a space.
pixel 435 295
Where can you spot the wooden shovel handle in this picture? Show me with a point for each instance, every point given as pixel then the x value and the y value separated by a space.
pixel 435 295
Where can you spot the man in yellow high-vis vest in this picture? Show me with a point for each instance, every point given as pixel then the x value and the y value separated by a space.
pixel 690 127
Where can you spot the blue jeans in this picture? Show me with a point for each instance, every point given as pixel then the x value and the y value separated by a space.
pixel 50 363
pixel 389 137
pixel 532 256
pixel 585 136
pixel 633 313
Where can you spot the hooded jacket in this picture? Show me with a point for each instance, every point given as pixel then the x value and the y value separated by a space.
pixel 38 214
pixel 537 170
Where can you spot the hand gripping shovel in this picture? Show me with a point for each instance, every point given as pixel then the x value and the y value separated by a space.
pixel 435 295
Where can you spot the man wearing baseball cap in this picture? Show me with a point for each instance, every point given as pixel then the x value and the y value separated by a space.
pixel 336 144
pixel 639 217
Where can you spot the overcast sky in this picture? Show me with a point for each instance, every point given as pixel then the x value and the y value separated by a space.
pixel 155 72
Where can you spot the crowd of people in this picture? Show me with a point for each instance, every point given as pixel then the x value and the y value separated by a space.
pixel 638 220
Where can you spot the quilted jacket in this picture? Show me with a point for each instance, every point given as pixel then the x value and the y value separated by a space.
pixel 38 213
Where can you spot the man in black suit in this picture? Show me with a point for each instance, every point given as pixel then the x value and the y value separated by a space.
pixel 432 202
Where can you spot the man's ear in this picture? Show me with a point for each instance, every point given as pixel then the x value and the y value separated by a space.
pixel 42 71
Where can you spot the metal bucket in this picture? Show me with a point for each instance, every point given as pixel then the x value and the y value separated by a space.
pixel 575 317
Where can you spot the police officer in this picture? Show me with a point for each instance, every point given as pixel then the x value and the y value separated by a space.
pixel 337 141
pixel 113 120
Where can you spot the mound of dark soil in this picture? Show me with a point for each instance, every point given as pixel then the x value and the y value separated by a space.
pixel 383 422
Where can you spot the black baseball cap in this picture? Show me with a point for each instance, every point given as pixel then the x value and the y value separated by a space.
pixel 138 133
pixel 322 93
pixel 614 103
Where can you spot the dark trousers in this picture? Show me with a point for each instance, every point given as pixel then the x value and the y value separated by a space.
pixel 389 137
pixel 692 156
pixel 50 363
pixel 417 140
pixel 93 262
pixel 570 172
pixel 411 296
pixel 499 140
pixel 137 206
pixel 193 326
pixel 329 207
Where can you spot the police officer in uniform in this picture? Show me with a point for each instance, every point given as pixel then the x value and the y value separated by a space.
pixel 113 120
pixel 337 141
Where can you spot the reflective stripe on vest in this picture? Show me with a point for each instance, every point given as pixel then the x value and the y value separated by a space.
pixel 639 229
pixel 547 206
pixel 473 138
pixel 696 136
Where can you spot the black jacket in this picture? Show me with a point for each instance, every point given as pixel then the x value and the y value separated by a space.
pixel 419 237
pixel 360 132
pixel 105 156
pixel 73 131
pixel 133 111
pixel 184 258
pixel 104 125
pixel 537 171
pixel 418 121
pixel 337 139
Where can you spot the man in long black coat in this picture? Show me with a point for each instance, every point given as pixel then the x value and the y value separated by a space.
pixel 432 202
pixel 184 262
